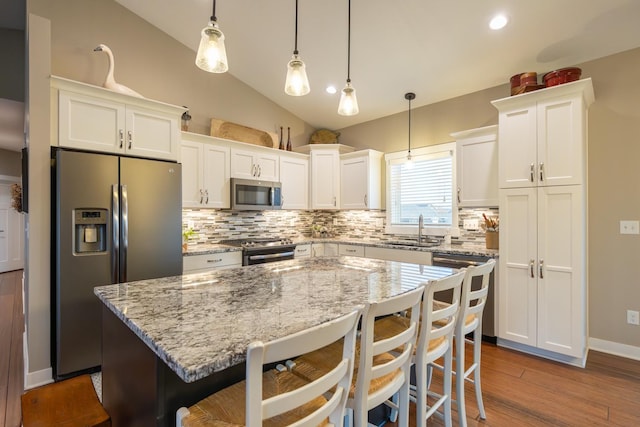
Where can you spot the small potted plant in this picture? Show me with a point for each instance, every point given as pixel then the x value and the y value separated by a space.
pixel 186 235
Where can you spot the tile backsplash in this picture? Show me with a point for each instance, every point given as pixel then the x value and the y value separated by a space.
pixel 212 226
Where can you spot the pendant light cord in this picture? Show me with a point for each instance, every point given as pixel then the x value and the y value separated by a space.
pixel 213 16
pixel 348 44
pixel 295 48
pixel 409 126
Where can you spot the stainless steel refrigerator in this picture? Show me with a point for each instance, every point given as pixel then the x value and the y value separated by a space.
pixel 114 220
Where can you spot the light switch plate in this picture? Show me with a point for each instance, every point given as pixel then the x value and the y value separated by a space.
pixel 629 227
pixel 633 317
pixel 379 222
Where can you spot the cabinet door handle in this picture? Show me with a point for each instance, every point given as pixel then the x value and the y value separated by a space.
pixel 541 171
pixel 531 264
pixel 365 201
pixel 121 134
pixel 334 201
pixel 206 195
pixel 458 194
pixel 541 265
pixel 259 171
pixel 532 172
pixel 130 137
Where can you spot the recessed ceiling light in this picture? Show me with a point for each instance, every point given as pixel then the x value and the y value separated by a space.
pixel 331 89
pixel 498 22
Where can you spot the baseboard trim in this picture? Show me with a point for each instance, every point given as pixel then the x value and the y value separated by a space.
pixel 617 349
pixel 38 378
pixel 570 360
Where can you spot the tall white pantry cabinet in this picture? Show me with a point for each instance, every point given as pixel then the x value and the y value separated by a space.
pixel 542 302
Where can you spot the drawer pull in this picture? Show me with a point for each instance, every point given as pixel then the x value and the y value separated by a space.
pixel 214 260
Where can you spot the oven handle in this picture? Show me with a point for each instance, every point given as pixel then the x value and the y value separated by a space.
pixel 460 263
pixel 270 256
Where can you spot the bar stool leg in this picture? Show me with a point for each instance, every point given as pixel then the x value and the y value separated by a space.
pixel 477 346
pixel 448 367
pixel 462 413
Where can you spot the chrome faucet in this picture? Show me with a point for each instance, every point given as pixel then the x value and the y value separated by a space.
pixel 420 227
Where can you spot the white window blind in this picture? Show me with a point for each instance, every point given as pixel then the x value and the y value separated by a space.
pixel 425 187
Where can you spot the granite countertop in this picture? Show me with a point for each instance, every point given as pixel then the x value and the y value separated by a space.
pixel 199 324
pixel 465 248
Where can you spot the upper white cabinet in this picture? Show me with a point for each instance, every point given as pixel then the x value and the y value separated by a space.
pixel 325 174
pixel 543 135
pixel 93 118
pixel 477 167
pixel 205 172
pixel 360 179
pixel 294 177
pixel 255 163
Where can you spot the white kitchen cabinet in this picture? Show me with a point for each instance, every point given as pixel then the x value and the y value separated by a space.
pixel 360 180
pixel 350 250
pixel 325 174
pixel 477 167
pixel 303 251
pixel 402 255
pixel 542 296
pixel 294 177
pixel 543 136
pixel 205 172
pixel 260 164
pixel 204 263
pixel 542 164
pixel 92 118
pixel 324 249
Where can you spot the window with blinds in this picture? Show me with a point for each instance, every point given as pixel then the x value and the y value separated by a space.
pixel 423 186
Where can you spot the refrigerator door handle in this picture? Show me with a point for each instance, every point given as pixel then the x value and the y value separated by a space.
pixel 115 235
pixel 125 234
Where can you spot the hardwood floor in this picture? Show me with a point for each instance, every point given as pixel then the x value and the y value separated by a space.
pixel 11 359
pixel 523 390
pixel 518 389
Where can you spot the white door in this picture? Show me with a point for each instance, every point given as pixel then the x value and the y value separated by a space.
pixel 517 302
pixel 11 232
pixel 561 141
pixel 192 186
pixel 354 183
pixel 560 270
pixel 294 176
pixel 215 176
pixel 518 148
pixel 151 134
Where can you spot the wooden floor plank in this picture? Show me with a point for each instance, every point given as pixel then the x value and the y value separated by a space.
pixel 6 323
pixel 15 387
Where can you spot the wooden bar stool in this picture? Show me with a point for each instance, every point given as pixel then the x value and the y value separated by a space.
pixel 380 372
pixel 69 403
pixel 472 304
pixel 277 397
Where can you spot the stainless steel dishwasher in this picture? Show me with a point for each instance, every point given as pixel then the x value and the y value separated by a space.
pixel 444 259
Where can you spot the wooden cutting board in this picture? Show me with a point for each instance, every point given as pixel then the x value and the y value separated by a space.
pixel 236 132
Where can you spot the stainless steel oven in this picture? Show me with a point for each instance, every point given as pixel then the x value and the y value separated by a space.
pixel 264 250
pixel 444 259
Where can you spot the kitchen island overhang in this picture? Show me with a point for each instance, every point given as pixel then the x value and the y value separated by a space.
pixel 186 336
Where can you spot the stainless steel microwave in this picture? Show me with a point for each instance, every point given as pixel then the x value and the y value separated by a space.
pixel 250 195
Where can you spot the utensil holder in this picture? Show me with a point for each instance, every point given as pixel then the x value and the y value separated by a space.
pixel 491 239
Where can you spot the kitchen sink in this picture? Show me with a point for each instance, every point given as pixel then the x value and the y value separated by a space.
pixel 405 243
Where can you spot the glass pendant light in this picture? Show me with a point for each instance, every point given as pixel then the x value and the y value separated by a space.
pixel 212 55
pixel 409 96
pixel 297 83
pixel 348 102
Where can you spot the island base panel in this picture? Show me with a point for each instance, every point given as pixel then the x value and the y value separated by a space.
pixel 139 389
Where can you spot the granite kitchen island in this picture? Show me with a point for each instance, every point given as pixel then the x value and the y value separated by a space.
pixel 170 342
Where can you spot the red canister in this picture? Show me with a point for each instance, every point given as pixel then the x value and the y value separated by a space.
pixel 563 75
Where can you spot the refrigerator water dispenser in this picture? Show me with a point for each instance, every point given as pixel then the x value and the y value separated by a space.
pixel 90 229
